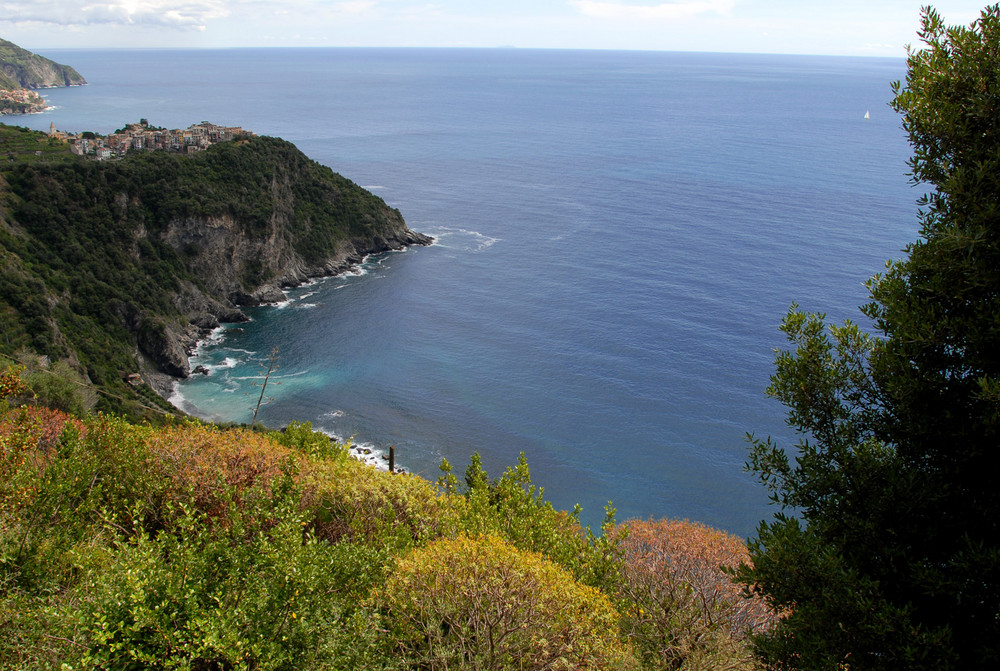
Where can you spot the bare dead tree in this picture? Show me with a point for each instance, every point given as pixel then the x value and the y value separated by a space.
pixel 271 367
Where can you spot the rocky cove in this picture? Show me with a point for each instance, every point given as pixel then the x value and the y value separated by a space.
pixel 120 267
pixel 223 251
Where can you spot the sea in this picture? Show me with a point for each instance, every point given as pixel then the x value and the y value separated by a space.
pixel 617 238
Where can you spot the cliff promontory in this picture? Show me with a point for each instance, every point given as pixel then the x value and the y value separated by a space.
pixel 118 266
pixel 21 72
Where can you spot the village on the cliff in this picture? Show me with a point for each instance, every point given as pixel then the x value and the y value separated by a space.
pixel 143 137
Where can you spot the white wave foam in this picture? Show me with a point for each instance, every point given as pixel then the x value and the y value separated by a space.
pixel 306 306
pixel 369 454
pixel 287 375
pixel 273 376
pixel 364 452
pixel 216 334
pixel 462 239
pixel 176 398
pixel 213 338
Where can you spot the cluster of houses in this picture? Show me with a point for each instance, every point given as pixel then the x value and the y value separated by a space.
pixel 143 137
pixel 20 101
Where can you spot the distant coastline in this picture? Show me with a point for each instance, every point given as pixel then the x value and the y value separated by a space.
pixel 22 73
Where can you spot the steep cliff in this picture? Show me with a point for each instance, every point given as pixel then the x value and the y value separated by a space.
pixel 274 219
pixel 122 265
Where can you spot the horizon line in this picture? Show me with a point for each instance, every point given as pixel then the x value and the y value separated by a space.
pixel 471 48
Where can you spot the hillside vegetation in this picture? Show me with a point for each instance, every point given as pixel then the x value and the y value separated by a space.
pixel 19 68
pixel 193 547
pixel 115 267
pixel 188 546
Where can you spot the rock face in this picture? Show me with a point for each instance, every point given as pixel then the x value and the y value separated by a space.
pixel 221 252
pixel 165 347
pixel 224 252
pixel 21 72
pixel 308 223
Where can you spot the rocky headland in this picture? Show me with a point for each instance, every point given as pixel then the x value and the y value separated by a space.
pixel 225 253
pixel 22 73
pixel 121 266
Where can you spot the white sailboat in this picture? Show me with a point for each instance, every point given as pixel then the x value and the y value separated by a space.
pixel 867 115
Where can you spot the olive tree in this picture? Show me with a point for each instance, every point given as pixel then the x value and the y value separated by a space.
pixel 886 551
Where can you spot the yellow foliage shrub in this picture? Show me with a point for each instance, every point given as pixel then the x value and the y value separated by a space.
pixel 480 603
pixel 352 499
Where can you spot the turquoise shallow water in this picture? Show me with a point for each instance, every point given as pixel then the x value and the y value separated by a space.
pixel 618 237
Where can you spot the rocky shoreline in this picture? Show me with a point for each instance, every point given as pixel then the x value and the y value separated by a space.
pixel 164 360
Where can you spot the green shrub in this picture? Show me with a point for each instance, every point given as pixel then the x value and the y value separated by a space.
pixel 126 547
pixel 200 595
pixel 61 387
pixel 61 482
pixel 194 547
pixel 300 436
pixel 516 510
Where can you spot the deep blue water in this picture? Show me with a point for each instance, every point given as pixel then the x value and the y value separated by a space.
pixel 619 235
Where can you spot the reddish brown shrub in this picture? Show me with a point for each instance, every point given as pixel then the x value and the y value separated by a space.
pixel 42 426
pixel 216 468
pixel 29 433
pixel 680 609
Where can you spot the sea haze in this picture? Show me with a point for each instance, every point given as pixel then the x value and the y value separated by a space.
pixel 618 237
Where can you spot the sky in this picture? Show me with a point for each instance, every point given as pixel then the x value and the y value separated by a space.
pixel 830 27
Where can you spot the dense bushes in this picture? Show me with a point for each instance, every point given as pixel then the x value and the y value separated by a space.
pixel 193 547
pixel 679 606
pixel 513 508
pixel 480 603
